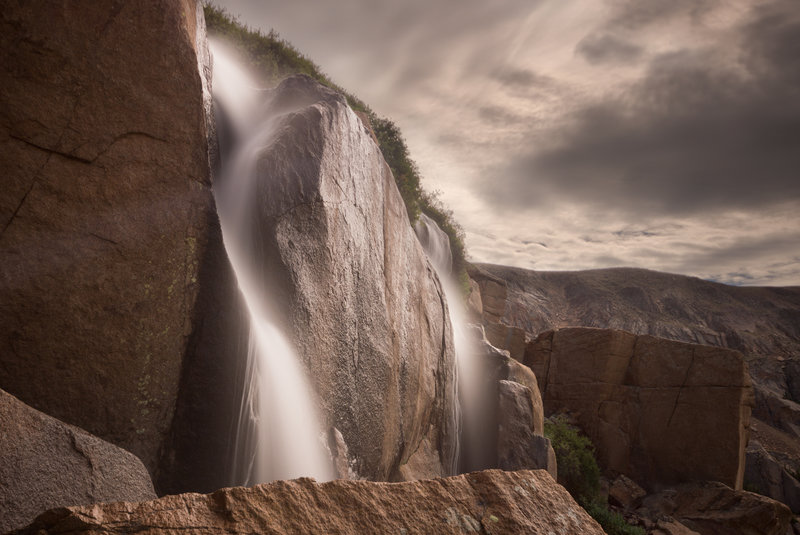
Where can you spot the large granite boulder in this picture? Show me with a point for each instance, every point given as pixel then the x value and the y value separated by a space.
pixel 352 286
pixel 492 502
pixel 658 411
pixel 45 463
pixel 104 209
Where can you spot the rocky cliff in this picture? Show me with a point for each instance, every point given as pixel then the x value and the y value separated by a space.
pixel 762 323
pixel 104 212
pixel 492 502
pixel 645 402
pixel 365 308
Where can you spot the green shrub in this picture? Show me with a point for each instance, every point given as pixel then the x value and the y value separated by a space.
pixel 579 473
pixel 612 523
pixel 577 467
pixel 272 59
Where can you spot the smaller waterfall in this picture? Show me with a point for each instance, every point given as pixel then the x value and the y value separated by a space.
pixel 473 406
pixel 277 435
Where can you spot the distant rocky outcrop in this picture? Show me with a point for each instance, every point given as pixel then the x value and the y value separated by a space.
pixel 762 323
pixel 105 210
pixel 659 411
pixel 486 502
pixel 45 463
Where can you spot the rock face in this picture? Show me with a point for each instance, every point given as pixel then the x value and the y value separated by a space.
pixel 504 428
pixel 518 446
pixel 366 310
pixel 711 508
pixel 645 402
pixel 45 463
pixel 493 502
pixel 104 211
pixel 766 475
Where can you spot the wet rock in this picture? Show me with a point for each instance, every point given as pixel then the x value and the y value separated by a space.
pixel 104 210
pixel 518 447
pixel 493 502
pixel 45 463
pixel 366 310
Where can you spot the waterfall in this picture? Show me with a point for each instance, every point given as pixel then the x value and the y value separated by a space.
pixel 473 446
pixel 277 435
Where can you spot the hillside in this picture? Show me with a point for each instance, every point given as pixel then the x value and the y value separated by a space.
pixel 763 323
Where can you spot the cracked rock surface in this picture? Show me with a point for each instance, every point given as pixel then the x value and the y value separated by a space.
pixel 104 210
pixel 490 502
pixel 658 411
pixel 45 463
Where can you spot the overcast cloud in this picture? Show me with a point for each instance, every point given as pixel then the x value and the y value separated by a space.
pixel 568 134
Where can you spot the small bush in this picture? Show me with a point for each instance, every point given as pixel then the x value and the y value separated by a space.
pixel 577 467
pixel 579 473
pixel 611 522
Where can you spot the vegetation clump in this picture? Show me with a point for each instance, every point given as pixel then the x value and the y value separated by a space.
pixel 579 473
pixel 272 59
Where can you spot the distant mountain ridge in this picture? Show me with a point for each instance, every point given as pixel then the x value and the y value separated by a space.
pixel 758 321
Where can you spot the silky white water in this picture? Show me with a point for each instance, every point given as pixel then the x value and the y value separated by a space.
pixel 277 434
pixel 472 447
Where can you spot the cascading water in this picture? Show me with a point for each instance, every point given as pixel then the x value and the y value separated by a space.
pixel 473 446
pixel 277 435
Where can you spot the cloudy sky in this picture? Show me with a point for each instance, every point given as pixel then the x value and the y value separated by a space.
pixel 576 134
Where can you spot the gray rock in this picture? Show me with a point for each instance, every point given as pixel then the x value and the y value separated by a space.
pixel 767 476
pixel 518 447
pixel 45 463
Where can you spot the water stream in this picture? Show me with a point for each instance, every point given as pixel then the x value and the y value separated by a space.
pixel 276 433
pixel 472 449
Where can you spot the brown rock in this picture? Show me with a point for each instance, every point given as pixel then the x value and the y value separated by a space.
pixel 365 308
pixel 518 447
pixel 711 508
pixel 493 293
pixel 645 401
pixel 764 474
pixel 624 492
pixel 45 463
pixel 492 502
pixel 512 339
pixel 671 527
pixel 475 304
pixel 104 211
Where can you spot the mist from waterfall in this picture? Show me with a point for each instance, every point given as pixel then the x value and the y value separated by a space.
pixel 276 433
pixel 473 445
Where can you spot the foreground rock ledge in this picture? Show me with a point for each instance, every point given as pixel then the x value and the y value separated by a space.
pixel 492 501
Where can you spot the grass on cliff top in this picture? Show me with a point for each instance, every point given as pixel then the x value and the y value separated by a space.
pixel 272 59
